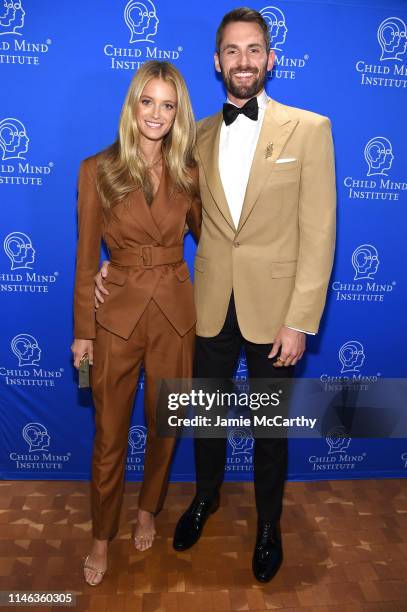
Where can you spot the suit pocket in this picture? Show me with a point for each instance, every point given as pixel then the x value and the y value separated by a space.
pixel 285 174
pixel 116 276
pixel 282 269
pixel 291 166
pixel 199 263
pixel 182 272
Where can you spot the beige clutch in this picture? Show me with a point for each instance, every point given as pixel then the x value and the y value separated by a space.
pixel 84 381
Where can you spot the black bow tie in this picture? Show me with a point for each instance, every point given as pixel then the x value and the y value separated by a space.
pixel 250 109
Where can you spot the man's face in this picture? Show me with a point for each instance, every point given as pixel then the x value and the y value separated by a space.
pixel 243 59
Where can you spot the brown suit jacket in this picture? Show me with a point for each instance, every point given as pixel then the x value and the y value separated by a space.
pixel 278 260
pixel 126 225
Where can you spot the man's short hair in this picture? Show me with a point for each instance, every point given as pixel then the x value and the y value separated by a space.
pixel 243 14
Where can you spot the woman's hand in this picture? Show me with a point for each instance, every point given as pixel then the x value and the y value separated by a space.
pixel 100 288
pixel 79 349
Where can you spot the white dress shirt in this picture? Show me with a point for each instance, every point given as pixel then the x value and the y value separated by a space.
pixel 237 146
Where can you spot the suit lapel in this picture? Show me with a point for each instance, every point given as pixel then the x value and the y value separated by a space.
pixel 276 130
pixel 208 151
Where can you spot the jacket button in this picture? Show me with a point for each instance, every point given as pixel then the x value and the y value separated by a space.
pixel 236 244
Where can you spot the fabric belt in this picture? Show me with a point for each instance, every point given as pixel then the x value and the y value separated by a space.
pixel 147 255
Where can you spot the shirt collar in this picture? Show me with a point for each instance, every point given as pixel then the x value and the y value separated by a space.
pixel 262 100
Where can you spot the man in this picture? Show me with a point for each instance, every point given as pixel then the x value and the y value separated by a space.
pixel 263 261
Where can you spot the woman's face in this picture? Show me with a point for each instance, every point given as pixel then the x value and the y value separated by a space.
pixel 156 109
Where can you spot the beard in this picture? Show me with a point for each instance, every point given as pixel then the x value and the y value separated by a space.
pixel 244 92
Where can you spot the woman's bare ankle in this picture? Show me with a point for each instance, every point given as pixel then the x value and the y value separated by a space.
pixel 144 516
pixel 100 546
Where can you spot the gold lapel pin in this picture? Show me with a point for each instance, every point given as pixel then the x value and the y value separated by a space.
pixel 269 150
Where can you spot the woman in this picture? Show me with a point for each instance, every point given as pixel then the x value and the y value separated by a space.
pixel 137 196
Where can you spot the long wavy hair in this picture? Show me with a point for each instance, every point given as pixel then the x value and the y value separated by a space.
pixel 123 169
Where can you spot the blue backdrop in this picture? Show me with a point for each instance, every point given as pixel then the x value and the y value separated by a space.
pixel 65 68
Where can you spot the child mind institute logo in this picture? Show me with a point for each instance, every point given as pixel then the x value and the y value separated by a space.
pixel 363 285
pixel 241 443
pixel 19 249
pixel 391 71
pixel 12 19
pixel 351 357
pixel 365 261
pixel 376 185
pixel 285 67
pixel 141 19
pixel 22 278
pixel 25 348
pixel 26 370
pixel 17 50
pixel 392 38
pixel 379 156
pixel 13 139
pixel 275 19
pixel 137 444
pixel 14 145
pixel 37 456
pixel 242 371
pixel 338 457
pixel 36 436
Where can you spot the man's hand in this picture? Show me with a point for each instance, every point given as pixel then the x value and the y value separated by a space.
pixel 292 344
pixel 99 287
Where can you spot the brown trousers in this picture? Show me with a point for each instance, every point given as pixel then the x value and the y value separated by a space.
pixel 165 354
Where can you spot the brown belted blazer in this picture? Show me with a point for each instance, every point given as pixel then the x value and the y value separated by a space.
pixel 145 245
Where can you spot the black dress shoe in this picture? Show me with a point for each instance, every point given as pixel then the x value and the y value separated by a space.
pixel 190 525
pixel 268 552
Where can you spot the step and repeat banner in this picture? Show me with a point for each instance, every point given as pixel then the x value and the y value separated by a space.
pixel 64 69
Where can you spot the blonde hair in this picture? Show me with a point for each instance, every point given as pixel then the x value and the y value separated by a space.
pixel 122 168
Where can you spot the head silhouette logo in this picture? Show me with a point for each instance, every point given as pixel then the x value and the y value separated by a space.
pixel 242 366
pixel 275 19
pixel 137 439
pixel 392 37
pixel 26 349
pixel 11 17
pixel 19 249
pixel 36 436
pixel 365 260
pixel 379 156
pixel 13 139
pixel 338 440
pixel 352 356
pixel 141 19
pixel 241 440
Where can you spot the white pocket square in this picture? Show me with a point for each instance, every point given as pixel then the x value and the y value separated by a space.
pixel 287 159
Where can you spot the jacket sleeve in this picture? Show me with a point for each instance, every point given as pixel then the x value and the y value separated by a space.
pixel 194 215
pixel 317 221
pixel 88 250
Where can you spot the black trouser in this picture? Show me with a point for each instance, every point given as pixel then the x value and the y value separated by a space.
pixel 216 358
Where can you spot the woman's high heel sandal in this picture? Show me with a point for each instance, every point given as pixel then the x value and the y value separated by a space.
pixel 143 542
pixel 94 569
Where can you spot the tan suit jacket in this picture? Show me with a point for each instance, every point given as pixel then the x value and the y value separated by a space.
pixel 278 261
pixel 124 227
